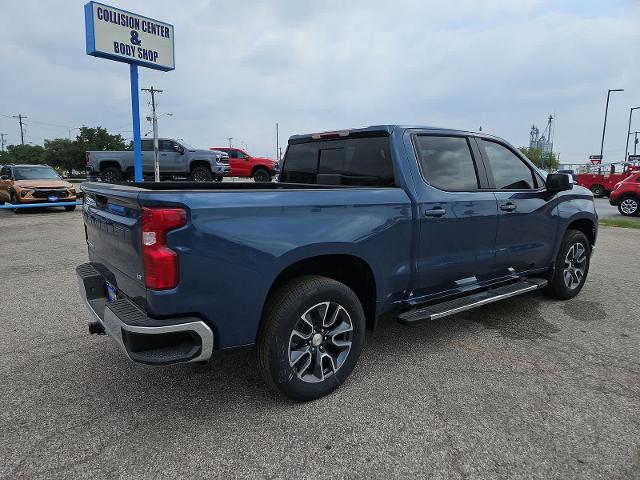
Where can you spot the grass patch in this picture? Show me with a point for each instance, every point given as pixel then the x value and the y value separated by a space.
pixel 624 222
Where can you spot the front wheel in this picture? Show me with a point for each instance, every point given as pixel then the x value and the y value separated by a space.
pixel 311 337
pixel 629 207
pixel 201 174
pixel 571 266
pixel 14 201
pixel 261 175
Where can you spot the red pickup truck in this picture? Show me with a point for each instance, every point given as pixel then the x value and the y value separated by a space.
pixel 244 165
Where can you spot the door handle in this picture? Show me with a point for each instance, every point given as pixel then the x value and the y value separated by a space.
pixel 508 207
pixel 435 212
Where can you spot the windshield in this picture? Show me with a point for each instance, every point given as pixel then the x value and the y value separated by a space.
pixel 35 173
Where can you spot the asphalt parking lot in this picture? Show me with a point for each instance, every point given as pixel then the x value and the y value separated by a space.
pixel 605 209
pixel 526 388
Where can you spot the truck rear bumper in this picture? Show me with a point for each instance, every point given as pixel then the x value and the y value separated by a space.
pixel 141 338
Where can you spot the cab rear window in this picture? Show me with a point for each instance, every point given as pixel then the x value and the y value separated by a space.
pixel 352 161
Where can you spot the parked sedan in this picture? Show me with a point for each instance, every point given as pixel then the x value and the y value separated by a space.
pixel 35 184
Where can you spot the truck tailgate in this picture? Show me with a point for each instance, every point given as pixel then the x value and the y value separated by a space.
pixel 112 218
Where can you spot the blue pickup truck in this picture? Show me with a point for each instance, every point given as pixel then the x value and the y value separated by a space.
pixel 415 222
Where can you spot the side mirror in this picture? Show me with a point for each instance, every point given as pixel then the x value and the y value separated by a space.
pixel 4 177
pixel 559 182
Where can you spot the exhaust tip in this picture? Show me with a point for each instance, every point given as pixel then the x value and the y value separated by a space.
pixel 96 328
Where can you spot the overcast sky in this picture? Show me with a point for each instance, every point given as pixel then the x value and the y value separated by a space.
pixel 242 66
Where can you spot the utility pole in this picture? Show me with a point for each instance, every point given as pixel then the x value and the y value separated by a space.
pixel 154 120
pixel 2 141
pixel 229 138
pixel 21 117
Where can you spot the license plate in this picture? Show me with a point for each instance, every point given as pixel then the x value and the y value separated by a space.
pixel 53 199
pixel 112 292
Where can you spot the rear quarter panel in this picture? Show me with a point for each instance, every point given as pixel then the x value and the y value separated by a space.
pixel 237 244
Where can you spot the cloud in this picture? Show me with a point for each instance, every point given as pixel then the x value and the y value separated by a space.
pixel 242 66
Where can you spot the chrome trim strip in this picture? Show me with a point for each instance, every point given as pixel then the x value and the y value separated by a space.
pixel 484 301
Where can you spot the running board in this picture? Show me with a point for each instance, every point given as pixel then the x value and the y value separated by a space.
pixel 451 307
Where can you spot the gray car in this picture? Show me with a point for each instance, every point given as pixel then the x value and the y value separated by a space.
pixel 177 160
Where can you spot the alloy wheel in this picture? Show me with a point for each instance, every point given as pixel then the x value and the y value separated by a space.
pixel 320 342
pixel 629 206
pixel 575 264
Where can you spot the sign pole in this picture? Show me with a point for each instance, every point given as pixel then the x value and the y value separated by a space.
pixel 135 113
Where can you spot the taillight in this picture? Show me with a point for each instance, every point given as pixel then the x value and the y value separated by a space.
pixel 161 270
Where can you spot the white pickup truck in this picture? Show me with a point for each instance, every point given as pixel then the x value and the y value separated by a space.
pixel 177 160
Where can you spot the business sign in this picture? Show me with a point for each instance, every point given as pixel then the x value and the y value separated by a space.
pixel 595 157
pixel 127 37
pixel 634 158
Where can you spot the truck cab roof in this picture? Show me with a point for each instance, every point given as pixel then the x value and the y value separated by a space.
pixel 377 130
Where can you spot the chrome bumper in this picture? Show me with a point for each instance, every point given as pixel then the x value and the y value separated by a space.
pixel 141 338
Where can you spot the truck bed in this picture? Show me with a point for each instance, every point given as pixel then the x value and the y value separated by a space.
pixel 239 237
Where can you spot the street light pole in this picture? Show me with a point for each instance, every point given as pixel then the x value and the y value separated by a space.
pixel 606 109
pixel 626 147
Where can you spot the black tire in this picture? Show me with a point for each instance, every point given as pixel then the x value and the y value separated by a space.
pixel 558 286
pixel 219 178
pixel 261 175
pixel 13 199
pixel 69 208
pixel 629 206
pixel 111 175
pixel 283 313
pixel 201 174
pixel 597 190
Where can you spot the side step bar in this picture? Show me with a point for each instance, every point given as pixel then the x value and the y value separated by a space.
pixel 451 307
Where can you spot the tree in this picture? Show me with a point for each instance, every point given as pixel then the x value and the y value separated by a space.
pixel 65 154
pixel 99 139
pixel 23 154
pixel 546 161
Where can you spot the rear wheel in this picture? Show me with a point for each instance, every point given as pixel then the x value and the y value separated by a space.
pixel 598 191
pixel 201 174
pixel 311 337
pixel 629 207
pixel 571 266
pixel 111 175
pixel 261 175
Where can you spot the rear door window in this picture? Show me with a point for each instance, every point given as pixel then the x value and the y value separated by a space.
pixel 447 163
pixel 147 145
pixel 353 161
